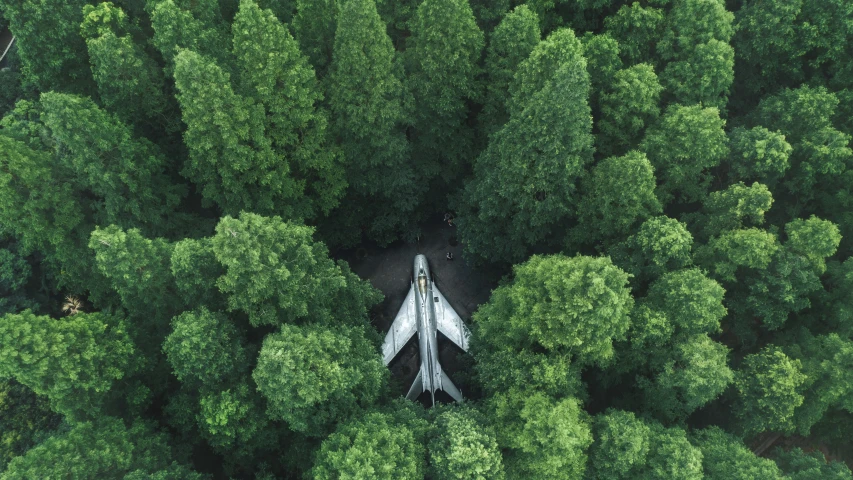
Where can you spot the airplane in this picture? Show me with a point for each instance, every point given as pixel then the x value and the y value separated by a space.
pixel 425 310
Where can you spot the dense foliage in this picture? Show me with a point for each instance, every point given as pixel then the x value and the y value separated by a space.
pixel 659 191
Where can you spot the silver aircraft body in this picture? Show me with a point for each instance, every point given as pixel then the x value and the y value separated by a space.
pixel 426 311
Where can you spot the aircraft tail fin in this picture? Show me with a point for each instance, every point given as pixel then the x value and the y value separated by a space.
pixel 417 386
pixel 448 386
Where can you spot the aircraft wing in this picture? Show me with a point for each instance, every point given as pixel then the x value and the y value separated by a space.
pixel 404 326
pixel 448 321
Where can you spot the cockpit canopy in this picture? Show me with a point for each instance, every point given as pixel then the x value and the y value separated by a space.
pixel 422 282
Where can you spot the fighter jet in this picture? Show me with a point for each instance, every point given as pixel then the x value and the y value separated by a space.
pixel 426 311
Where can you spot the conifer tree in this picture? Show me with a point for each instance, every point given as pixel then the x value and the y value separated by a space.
pixel 275 73
pixel 443 56
pixel 367 102
pixel 231 160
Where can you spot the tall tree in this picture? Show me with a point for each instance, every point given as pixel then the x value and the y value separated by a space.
pixel 509 44
pixel 104 447
pixel 705 75
pixel 231 160
pixel 617 196
pixel 524 184
pixel 768 385
pixel 574 305
pixel 758 154
pixel 724 457
pixel 631 104
pixel 544 438
pixel 443 56
pixel 464 446
pixel 620 447
pixel 52 52
pixel 696 373
pixel 637 29
pixel 374 446
pixel 314 26
pixel 275 272
pixel 193 25
pixel 126 174
pixel 275 73
pixel 44 212
pixel 205 348
pixel 367 99
pixel 661 244
pixel 682 146
pixel 130 82
pixel 73 361
pixel 314 377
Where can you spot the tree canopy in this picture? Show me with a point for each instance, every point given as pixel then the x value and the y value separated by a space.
pixel 209 208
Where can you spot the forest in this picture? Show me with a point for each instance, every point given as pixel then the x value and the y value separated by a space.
pixel 659 191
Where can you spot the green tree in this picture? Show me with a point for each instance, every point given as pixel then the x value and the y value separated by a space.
pixel 758 153
pixel 827 362
pixel 682 146
pixel 738 206
pixel 443 56
pixel 691 301
pixel 52 52
pixel 696 373
pixel 276 273
pixel 374 446
pixel 543 438
pixel 195 25
pixel 366 99
pixel 464 447
pixel 195 270
pixel 768 384
pixel 275 73
pixel 704 76
pixel 799 465
pixel 14 274
pixel 672 456
pixel 510 43
pixel 102 448
pixel 524 185
pixel 500 367
pixel 234 422
pixel 138 270
pixel 44 212
pixel 620 448
pixel 124 172
pixel 661 245
pixel 637 29
pixel 725 457
pixel 766 46
pixel 792 276
pixel 25 419
pixel 693 22
pixel 314 26
pixel 130 82
pixel 618 196
pixel 73 361
pixel 602 62
pixel 314 377
pixel 746 248
pixel 574 305
pixel 627 108
pixel 230 158
pixel 820 153
pixel 205 348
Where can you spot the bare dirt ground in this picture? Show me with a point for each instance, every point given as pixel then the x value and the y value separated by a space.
pixel 390 270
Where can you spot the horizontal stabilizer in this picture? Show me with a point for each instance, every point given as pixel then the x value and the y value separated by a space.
pixel 417 386
pixel 449 387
